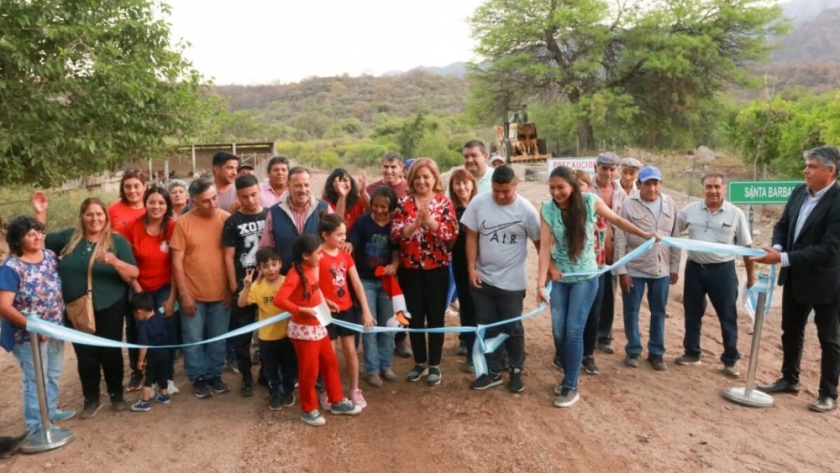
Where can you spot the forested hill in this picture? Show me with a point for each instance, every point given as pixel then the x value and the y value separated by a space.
pixel 342 97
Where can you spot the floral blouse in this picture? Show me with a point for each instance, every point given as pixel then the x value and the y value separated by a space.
pixel 424 249
pixel 37 290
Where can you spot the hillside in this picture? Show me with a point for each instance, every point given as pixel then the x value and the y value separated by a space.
pixel 801 11
pixel 344 96
pixel 817 39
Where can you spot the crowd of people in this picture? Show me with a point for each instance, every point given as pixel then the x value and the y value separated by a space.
pixel 185 263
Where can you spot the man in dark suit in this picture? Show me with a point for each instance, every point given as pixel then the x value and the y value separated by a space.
pixel 806 241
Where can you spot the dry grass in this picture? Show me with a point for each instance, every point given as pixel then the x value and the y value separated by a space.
pixel 64 205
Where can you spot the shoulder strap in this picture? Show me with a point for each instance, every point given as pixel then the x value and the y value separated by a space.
pixel 90 269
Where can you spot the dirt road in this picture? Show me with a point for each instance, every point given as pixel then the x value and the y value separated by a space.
pixel 628 420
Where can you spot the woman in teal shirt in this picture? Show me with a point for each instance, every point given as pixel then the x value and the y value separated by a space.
pixel 567 229
pixel 114 269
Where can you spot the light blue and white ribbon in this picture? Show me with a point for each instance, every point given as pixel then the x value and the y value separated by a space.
pixel 481 346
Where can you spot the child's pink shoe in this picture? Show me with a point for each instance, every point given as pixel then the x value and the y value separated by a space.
pixel 357 398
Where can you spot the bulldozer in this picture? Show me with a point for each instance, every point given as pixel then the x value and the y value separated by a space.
pixel 516 138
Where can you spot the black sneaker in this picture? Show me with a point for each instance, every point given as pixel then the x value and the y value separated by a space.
pixel 201 389
pixel 91 408
pixel 217 385
pixel 416 373
pixel 276 402
pixel 515 384
pixel 287 399
pixel 632 361
pixel 557 363
pixel 247 389
pixel 657 362
pixel 118 403
pixel 589 365
pixel 606 347
pixel 486 381
pixel 135 382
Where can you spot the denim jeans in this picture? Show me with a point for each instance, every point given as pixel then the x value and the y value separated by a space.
pixel 210 320
pixel 173 327
pixel 378 347
pixel 657 298
pixel 720 283
pixel 570 305
pixel 52 357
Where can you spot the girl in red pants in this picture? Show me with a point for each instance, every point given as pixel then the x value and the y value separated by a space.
pixel 300 295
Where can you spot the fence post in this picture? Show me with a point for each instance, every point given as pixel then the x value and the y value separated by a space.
pixel 48 437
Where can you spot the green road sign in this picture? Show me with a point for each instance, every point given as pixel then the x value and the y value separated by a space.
pixel 760 192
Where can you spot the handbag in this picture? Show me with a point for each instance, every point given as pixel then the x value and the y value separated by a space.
pixel 80 311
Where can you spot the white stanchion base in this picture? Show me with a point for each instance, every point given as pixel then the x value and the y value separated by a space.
pixel 756 398
pixel 38 442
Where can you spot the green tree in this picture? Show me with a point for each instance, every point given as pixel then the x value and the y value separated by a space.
pixel 411 133
pixel 666 55
pixel 86 85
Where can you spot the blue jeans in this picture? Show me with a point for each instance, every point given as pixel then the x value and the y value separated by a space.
pixel 570 304
pixel 378 347
pixel 52 357
pixel 173 327
pixel 657 298
pixel 211 319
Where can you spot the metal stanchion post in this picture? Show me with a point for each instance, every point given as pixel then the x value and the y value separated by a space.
pixel 749 396
pixel 49 437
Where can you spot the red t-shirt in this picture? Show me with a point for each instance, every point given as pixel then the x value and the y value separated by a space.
pixel 399 189
pixel 351 214
pixel 122 216
pixel 335 278
pixel 154 259
pixel 290 295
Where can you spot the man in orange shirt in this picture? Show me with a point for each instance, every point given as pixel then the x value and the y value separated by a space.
pixel 198 261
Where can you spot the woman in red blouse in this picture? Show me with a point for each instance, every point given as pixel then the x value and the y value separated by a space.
pixel 149 237
pixel 350 201
pixel 130 206
pixel 425 226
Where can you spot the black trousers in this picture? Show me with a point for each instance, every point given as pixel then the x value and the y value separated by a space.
pixel 279 363
pixel 466 306
pixel 590 330
pixel 794 319
pixel 240 317
pixel 495 305
pixel 157 366
pixel 93 361
pixel 607 314
pixel 425 297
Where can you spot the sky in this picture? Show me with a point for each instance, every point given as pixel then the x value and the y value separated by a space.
pixel 269 41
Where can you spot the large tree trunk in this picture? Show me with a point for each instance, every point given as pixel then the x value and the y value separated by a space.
pixel 586 137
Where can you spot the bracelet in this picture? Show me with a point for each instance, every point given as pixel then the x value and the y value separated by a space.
pixel 540 287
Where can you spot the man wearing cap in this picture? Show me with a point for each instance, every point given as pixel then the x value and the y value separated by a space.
pixel 612 195
pixel 715 220
pixel 496 161
pixel 651 211
pixel 629 168
pixel 244 168
pixel 475 161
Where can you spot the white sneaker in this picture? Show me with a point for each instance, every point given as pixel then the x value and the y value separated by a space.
pixel 171 388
